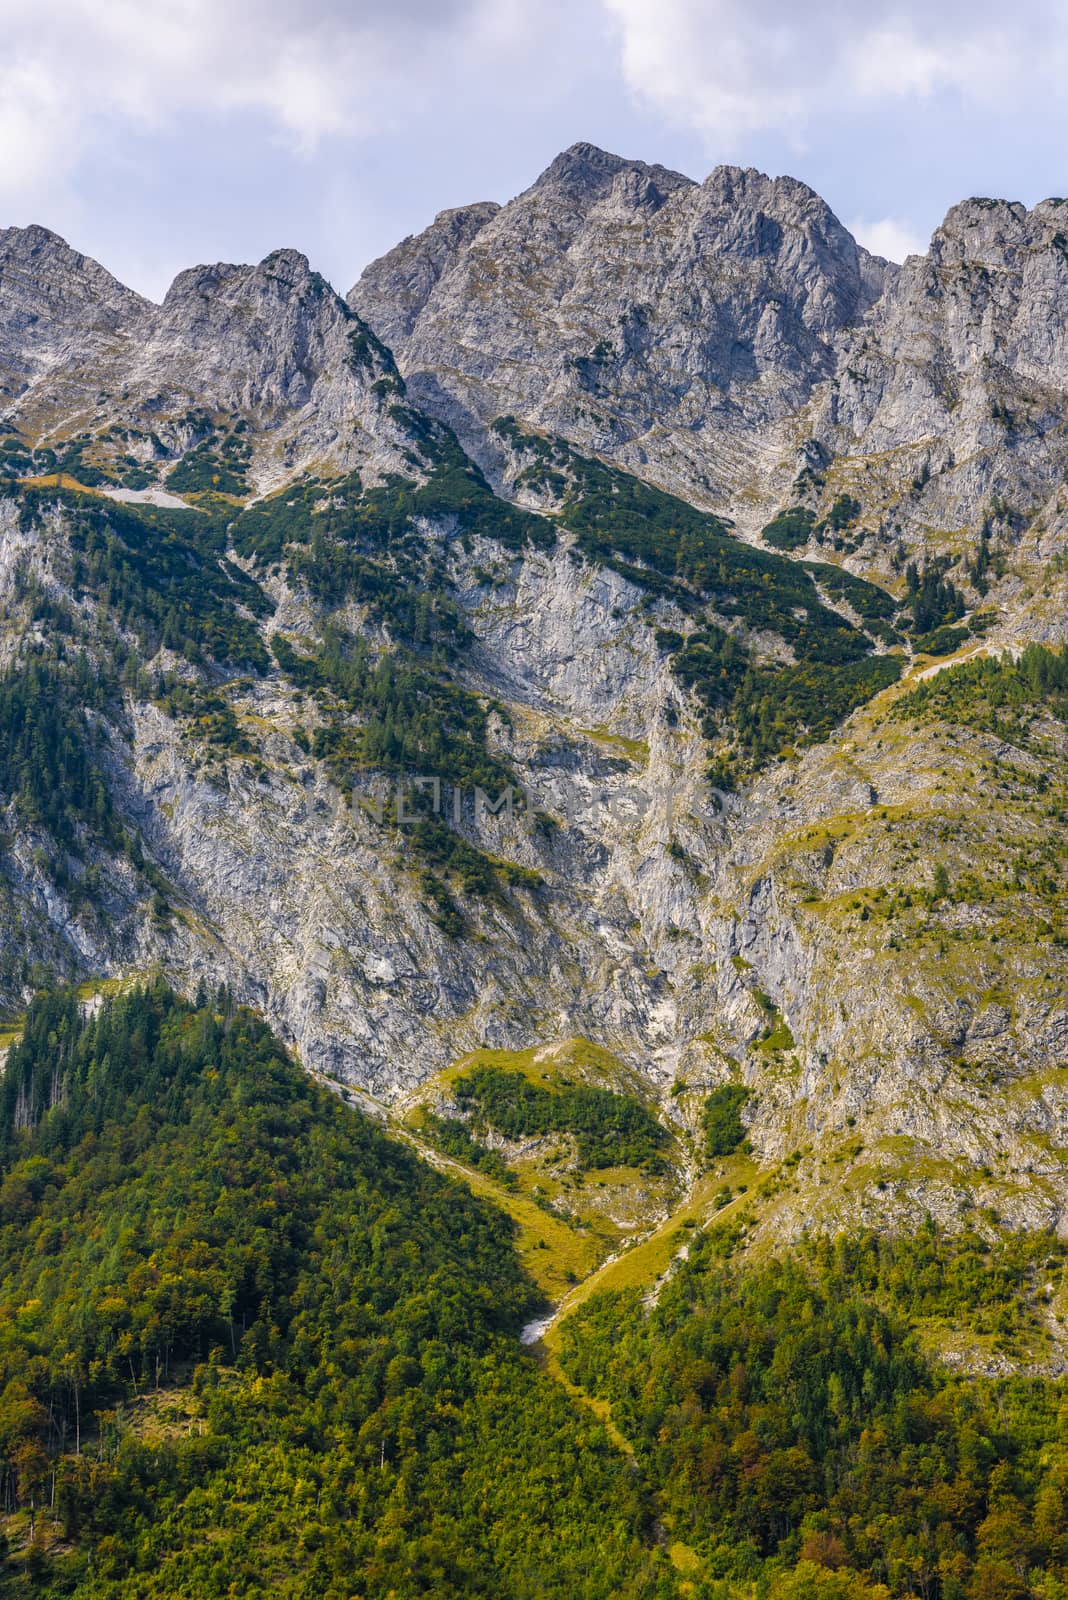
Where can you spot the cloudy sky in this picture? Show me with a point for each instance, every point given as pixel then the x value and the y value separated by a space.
pixel 153 136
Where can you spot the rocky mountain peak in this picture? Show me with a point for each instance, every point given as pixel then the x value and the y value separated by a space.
pixel 292 265
pixel 269 343
pixel 40 273
pixel 979 229
pixel 244 337
pixel 279 276
pixel 43 247
pixel 737 185
pixel 746 214
pixel 1054 210
pixel 626 308
pixel 54 300
pixel 31 241
pixel 585 172
pixel 394 289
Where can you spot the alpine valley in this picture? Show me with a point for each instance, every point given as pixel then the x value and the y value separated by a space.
pixel 534 951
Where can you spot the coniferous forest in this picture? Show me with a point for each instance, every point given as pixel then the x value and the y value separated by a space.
pixel 251 1344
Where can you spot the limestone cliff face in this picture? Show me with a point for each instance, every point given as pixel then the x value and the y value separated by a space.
pixel 731 341
pixel 394 290
pixel 958 378
pixel 631 311
pixel 54 303
pixel 270 346
pixel 903 1053
pixel 60 314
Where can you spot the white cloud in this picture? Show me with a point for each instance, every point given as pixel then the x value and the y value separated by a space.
pixel 119 118
pixel 36 127
pixel 73 69
pixel 729 68
pixel 889 237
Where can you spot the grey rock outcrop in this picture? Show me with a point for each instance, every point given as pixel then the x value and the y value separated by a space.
pixel 271 346
pixel 728 340
pixel 61 314
pixel 632 311
pixel 954 388
pixel 394 289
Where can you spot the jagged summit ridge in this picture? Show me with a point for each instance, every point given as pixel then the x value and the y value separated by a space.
pixel 629 309
pixel 698 334
pixel 716 337
pixel 588 172
pixel 270 344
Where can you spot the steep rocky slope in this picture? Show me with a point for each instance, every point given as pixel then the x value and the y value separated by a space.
pixel 947 407
pixel 57 305
pixel 312 598
pixel 670 324
pixel 730 340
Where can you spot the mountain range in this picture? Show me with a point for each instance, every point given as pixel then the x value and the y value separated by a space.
pixel 628 482
pixel 597 692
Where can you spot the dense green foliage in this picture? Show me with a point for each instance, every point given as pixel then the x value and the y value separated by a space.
pixel 16 457
pixel 778 707
pixel 249 1344
pixel 940 641
pixel 933 599
pixel 786 1415
pixel 49 762
pixel 995 693
pixel 411 719
pixel 866 599
pixel 772 707
pixel 163 575
pixel 722 1120
pixel 216 466
pixel 345 542
pixel 455 1138
pixel 610 1130
pixel 843 513
pixel 263 1347
pixel 790 529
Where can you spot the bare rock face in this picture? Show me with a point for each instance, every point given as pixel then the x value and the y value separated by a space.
pixel 962 367
pixel 720 338
pixel 632 311
pixel 727 340
pixel 59 312
pixel 254 339
pixel 270 345
pixel 274 344
pixel 54 301
pixel 394 289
